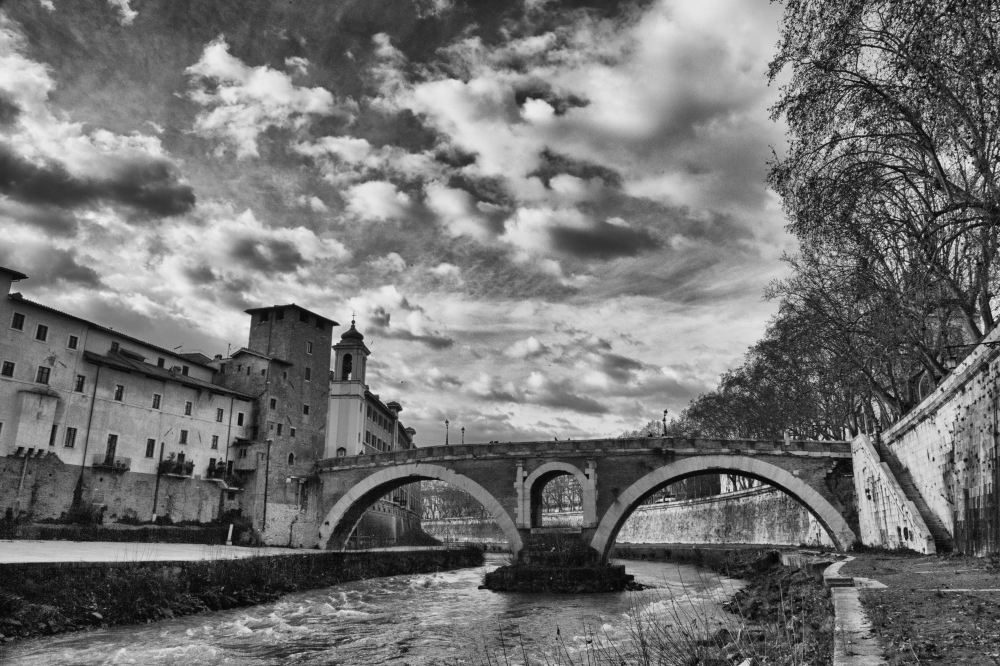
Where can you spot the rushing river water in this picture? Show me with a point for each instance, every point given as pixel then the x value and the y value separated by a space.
pixel 440 618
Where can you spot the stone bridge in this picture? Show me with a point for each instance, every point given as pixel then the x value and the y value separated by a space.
pixel 615 476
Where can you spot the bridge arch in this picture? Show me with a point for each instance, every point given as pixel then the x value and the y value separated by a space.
pixel 627 501
pixel 534 483
pixel 341 520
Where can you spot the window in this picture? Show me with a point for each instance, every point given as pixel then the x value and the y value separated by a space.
pixel 215 441
pixel 17 322
pixel 239 419
pixel 284 375
pixel 222 368
pixel 309 347
pixel 8 369
pixel 319 325
pixel 42 333
pixel 74 342
pixel 114 346
pixel 308 374
pixel 52 435
pixel 187 408
pixel 291 458
pixel 369 411
pixel 368 437
pixel 150 447
pixel 279 428
pixel 156 400
pixel 305 409
pixel 279 315
pixel 254 432
pixel 184 370
pixel 341 452
pixel 219 413
pixel 263 317
pixel 69 440
pixel 303 317
pixel 160 362
pixel 81 381
pixel 119 392
pixel 274 403
pixel 263 372
pixel 184 436
pixel 42 377
pixel 291 432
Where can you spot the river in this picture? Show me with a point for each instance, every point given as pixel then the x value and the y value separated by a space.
pixel 440 618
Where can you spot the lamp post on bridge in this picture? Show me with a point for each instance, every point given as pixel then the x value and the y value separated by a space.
pixel 664 423
pixel 463 435
pixel 446 432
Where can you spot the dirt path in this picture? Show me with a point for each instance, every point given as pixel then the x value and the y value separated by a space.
pixel 934 609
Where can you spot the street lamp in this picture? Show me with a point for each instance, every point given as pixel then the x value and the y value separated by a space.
pixel 446 432
pixel 664 423
pixel 463 435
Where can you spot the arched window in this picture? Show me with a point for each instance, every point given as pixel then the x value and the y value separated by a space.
pixel 347 367
pixel 341 452
pixel 291 458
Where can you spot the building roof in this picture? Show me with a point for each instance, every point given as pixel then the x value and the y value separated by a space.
pixel 291 305
pixel 246 350
pixel 15 275
pixel 126 364
pixel 352 334
pixel 22 299
pixel 196 356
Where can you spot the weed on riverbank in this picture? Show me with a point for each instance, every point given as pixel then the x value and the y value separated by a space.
pixel 40 600
pixel 782 617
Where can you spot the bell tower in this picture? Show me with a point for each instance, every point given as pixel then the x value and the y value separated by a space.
pixel 351 356
pixel 346 413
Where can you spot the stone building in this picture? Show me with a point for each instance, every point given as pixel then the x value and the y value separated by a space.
pixel 92 416
pixel 93 419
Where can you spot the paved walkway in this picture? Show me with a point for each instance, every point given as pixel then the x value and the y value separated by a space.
pixel 12 552
pixel 853 641
pixel 19 552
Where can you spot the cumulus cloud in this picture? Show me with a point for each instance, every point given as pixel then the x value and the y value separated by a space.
pixel 127 14
pixel 48 163
pixel 527 348
pixel 244 101
pixel 377 200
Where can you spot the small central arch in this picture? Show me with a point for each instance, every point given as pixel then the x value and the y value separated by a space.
pixel 530 493
pixel 348 510
pixel 634 495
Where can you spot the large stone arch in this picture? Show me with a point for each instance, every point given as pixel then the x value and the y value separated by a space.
pixel 348 510
pixel 543 474
pixel 619 511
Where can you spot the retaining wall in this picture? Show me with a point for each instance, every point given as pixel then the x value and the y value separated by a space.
pixel 948 445
pixel 886 517
pixel 759 516
pixel 42 488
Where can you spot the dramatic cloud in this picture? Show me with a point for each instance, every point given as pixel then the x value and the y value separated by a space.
pixel 550 218
pixel 245 101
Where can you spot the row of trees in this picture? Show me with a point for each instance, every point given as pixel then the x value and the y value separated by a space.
pixel 890 187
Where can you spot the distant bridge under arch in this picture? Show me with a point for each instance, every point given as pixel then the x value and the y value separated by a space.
pixel 615 476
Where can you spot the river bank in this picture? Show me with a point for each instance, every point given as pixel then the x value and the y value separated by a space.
pixel 782 615
pixel 44 599
pixel 934 608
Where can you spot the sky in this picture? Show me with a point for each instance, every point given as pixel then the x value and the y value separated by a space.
pixel 549 217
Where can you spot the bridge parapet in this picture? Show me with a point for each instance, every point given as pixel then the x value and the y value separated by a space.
pixel 590 447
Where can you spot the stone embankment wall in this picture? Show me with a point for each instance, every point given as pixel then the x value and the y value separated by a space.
pixel 948 446
pixel 886 517
pixel 758 516
pixel 40 488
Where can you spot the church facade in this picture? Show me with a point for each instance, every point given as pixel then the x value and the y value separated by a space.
pixel 96 422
